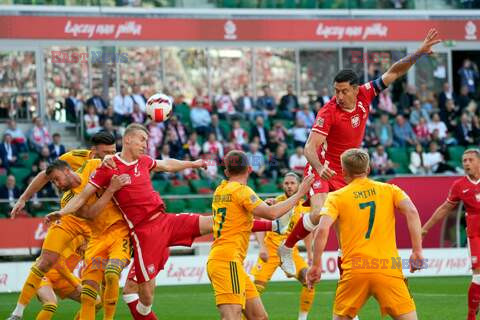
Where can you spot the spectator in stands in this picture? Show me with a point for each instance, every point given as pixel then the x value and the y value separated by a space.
pixel 464 131
pixel 273 141
pixel 444 96
pixel 56 148
pixel 109 114
pixel 403 134
pixel 306 115
pixel 450 115
pixel 280 131
pixel 122 107
pixel 194 148
pixel 225 106
pixel 18 137
pixel 426 98
pixel 476 129
pixel 438 124
pixel 297 161
pixel 246 105
pixel 421 131
pixel 201 120
pixel 266 103
pixel 177 129
pixel 370 138
pixel 469 76
pixel 108 127
pixel 463 100
pixel 257 161
pixel 434 161
pixel 139 99
pixel 417 160
pixel 176 146
pixel 381 165
pixel 138 116
pixel 155 137
pixel 418 112
pixel 39 135
pixel 92 122
pixel 216 129
pixel 385 102
pixel 278 163
pixel 211 173
pixel 260 131
pixel 406 99
pixel 45 155
pixel 165 152
pixel 201 100
pixel 213 147
pixel 8 152
pixel 384 131
pixel 72 105
pixel 98 102
pixel 9 192
pixel 189 173
pixel 299 133
pixel 238 136
pixel 288 104
pixel 323 97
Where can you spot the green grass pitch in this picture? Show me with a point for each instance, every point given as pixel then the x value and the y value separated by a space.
pixel 442 298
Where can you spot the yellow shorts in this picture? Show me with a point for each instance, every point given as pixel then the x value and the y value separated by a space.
pixel 391 292
pixel 61 233
pixel 60 286
pixel 231 283
pixel 263 271
pixel 112 246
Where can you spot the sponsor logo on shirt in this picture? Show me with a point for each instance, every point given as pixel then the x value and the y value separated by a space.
pixel 355 121
pixel 465 191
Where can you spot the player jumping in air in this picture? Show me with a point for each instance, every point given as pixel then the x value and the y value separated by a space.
pixel 467 190
pixel 364 211
pixel 340 125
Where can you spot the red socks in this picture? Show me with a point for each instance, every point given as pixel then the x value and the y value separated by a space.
pixel 261 225
pixel 298 233
pixel 137 316
pixel 473 300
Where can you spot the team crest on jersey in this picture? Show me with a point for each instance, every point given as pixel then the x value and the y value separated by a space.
pixel 320 121
pixel 355 121
pixel 151 269
pixel 317 184
pixel 477 197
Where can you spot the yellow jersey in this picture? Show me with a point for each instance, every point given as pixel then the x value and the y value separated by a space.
pixel 294 215
pixel 232 208
pixel 76 158
pixel 68 260
pixel 109 215
pixel 365 215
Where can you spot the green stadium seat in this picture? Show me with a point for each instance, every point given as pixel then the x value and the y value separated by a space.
pixel 455 154
pixel 175 205
pixel 289 4
pixel 270 187
pixel 400 158
pixel 20 174
pixel 225 126
pixel 308 4
pixel 269 4
pixel 201 186
pixel 28 159
pixel 182 111
pixel 180 190
pixel 247 4
pixel 160 185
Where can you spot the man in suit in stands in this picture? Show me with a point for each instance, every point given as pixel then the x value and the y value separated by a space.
pixel 8 152
pixel 9 192
pixel 56 148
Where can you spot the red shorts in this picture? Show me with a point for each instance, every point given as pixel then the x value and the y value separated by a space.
pixel 474 246
pixel 152 239
pixel 322 186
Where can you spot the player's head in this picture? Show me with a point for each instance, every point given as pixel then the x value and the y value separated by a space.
pixel 355 163
pixel 61 175
pixel 291 180
pixel 471 162
pixel 135 140
pixel 103 143
pixel 346 88
pixel 236 164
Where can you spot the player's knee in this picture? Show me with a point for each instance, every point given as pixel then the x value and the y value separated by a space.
pixel 90 284
pixel 46 262
pixel 146 298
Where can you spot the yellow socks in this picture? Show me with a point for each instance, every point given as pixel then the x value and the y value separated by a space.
pixel 110 296
pixel 306 299
pixel 47 312
pixel 31 285
pixel 88 299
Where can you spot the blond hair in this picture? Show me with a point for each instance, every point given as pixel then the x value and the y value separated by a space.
pixel 472 150
pixel 355 161
pixel 134 127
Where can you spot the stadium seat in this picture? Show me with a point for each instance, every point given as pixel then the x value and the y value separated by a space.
pixel 201 186
pixel 455 154
pixel 180 190
pixel 400 158
pixel 160 185
pixel 226 126
pixel 20 174
pixel 289 4
pixel 270 187
pixel 308 4
pixel 248 4
pixel 268 4
pixel 27 159
pixel 175 206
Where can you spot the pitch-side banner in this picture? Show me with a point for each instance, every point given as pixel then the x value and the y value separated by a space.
pixel 192 270
pixel 231 30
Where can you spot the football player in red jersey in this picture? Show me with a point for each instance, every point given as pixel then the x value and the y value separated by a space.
pixel 339 126
pixel 467 190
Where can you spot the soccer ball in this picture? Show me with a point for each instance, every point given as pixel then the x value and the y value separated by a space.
pixel 159 107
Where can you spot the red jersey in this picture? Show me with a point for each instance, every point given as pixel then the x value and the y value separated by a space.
pixel 343 129
pixel 138 201
pixel 467 191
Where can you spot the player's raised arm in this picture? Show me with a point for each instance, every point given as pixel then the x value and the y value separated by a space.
pixel 408 209
pixel 399 68
pixel 73 205
pixel 173 165
pixel 36 185
pixel 439 214
pixel 279 209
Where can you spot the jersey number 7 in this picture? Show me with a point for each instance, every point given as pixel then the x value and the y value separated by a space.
pixel 221 212
pixel 373 207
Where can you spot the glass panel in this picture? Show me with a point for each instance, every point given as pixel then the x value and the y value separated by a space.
pixel 352 58
pixel 276 68
pixel 230 68
pixel 104 73
pixel 317 70
pixel 432 71
pixel 18 96
pixel 185 70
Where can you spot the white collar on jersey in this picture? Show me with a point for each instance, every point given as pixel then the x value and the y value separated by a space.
pixel 474 182
pixel 117 155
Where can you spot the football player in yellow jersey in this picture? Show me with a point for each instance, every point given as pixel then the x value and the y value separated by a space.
pixel 268 260
pixel 60 234
pixel 234 205
pixel 365 215
pixel 108 250
pixel 60 280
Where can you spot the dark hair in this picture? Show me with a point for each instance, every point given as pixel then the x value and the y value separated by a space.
pixel 56 134
pixel 102 137
pixel 347 75
pixel 236 162
pixel 57 165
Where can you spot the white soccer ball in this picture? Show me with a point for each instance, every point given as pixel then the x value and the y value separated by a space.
pixel 159 107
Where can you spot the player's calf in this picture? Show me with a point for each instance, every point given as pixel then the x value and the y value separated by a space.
pixel 112 278
pixel 88 300
pixel 254 309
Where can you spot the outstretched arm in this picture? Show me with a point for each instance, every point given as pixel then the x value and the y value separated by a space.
pixel 173 165
pixel 36 185
pixel 438 215
pixel 73 205
pixel 399 68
